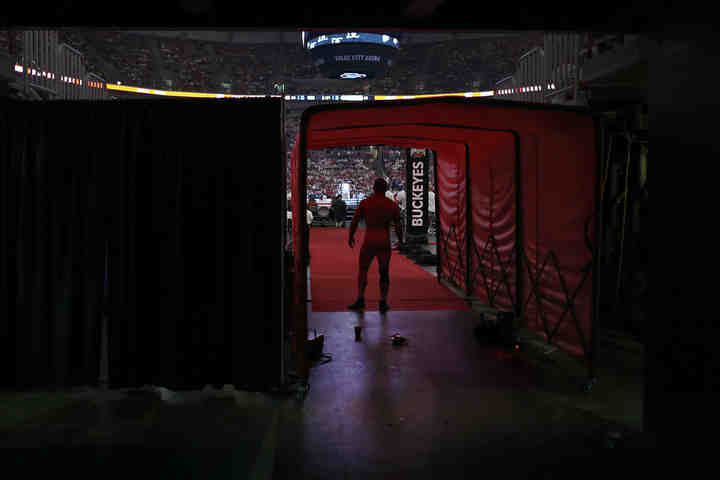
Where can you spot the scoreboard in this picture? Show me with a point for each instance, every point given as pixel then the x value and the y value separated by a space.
pixel 351 37
pixel 351 55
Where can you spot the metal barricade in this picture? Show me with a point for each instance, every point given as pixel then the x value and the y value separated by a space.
pixel 544 73
pixel 39 60
pixel 72 73
pixel 531 76
pixel 504 87
pixel 56 69
pixel 562 53
pixel 97 90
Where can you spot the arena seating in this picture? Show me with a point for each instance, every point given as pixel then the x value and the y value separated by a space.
pixel 194 65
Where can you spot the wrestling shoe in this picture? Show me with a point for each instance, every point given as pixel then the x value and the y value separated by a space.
pixel 384 307
pixel 358 305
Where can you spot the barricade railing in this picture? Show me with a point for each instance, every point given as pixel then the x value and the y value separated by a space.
pixel 545 72
pixel 505 86
pixel 488 256
pixel 562 55
pixel 72 73
pixel 40 59
pixel 531 73
pixel 57 69
pixel 95 90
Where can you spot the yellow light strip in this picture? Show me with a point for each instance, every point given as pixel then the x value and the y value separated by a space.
pixel 139 90
pixel 435 95
pixel 125 88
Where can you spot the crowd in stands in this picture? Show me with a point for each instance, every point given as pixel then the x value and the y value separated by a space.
pixel 182 74
pixel 11 43
pixel 128 54
pixel 328 169
pixel 194 65
pixel 395 168
pixel 5 42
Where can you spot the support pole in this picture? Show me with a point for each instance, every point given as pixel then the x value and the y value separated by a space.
pixel 596 272
pixel 301 331
pixel 25 63
pixel 519 246
pixel 468 226
pixel 438 229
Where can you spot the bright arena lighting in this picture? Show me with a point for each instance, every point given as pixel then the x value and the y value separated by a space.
pixel 351 75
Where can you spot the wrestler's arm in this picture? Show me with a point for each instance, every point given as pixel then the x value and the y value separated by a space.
pixel 354 224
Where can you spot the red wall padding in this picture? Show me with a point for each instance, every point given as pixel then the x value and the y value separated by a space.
pixel 451 198
pixel 558 197
pixel 492 193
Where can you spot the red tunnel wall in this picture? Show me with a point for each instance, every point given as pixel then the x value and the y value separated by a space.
pixel 555 153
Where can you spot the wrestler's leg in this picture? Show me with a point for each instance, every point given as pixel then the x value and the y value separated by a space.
pixel 384 267
pixel 366 257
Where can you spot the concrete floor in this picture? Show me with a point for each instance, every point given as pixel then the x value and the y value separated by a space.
pixel 444 405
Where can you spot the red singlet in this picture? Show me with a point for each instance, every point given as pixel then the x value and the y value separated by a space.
pixel 378 212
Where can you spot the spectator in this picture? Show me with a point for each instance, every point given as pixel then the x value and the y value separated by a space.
pixel 339 208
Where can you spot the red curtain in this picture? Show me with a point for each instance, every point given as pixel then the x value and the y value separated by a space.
pixel 493 197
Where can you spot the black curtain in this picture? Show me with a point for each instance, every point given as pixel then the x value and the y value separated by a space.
pixel 196 244
pixel 188 196
pixel 51 245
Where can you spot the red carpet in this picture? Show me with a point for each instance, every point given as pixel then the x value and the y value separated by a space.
pixel 333 277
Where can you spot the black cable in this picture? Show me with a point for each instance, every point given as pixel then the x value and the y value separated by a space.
pixel 622 235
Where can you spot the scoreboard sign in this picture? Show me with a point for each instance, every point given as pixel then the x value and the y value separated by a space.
pixel 351 37
pixel 351 55
pixel 417 195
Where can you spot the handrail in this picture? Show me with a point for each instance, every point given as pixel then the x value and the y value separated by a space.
pixel 533 50
pixel 71 48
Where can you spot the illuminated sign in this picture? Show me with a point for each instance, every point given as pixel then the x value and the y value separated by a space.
pixel 353 75
pixel 417 182
pixel 357 58
pixel 352 37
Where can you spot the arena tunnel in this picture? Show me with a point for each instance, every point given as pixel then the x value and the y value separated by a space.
pixel 517 195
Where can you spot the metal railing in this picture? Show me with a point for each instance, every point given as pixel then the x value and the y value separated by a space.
pixel 57 69
pixel 545 73
pixel 505 85
pixel 531 76
pixel 40 59
pixel 474 265
pixel 562 54
pixel 95 90
pixel 72 71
